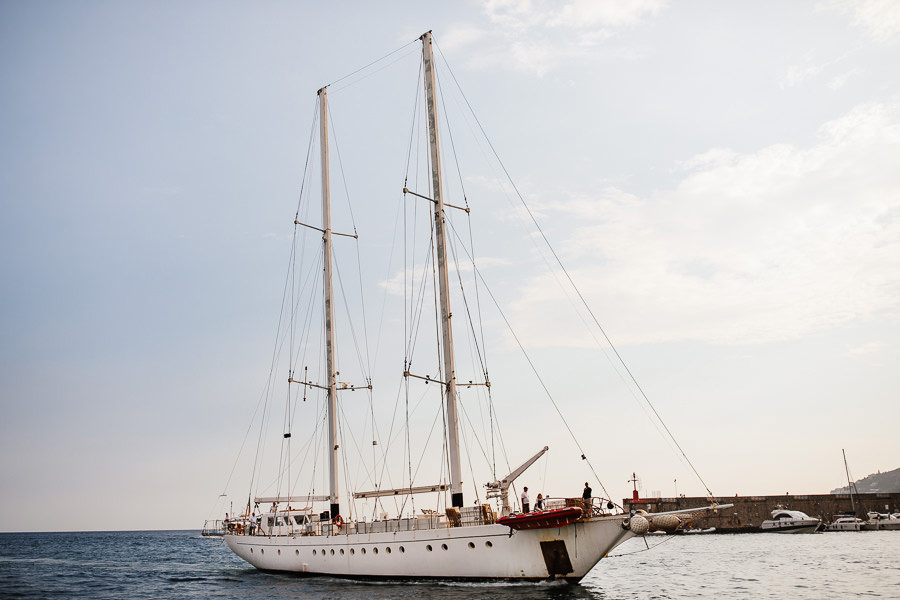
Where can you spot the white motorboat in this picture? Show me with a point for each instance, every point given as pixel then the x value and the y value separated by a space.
pixel 881 521
pixel 697 531
pixel 846 523
pixel 285 531
pixel 790 521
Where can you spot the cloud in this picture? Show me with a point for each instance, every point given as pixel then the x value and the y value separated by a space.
pixel 879 18
pixel 838 81
pixel 537 36
pixel 401 281
pixel 463 35
pixel 715 157
pixel 590 13
pixel 870 348
pixel 798 75
pixel 746 248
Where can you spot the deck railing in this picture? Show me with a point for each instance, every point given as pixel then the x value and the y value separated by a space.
pixel 466 516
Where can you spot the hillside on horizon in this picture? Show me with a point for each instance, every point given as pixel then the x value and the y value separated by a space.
pixel 885 483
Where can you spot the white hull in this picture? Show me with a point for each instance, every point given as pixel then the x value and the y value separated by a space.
pixel 880 521
pixel 789 527
pixel 892 526
pixel 846 524
pixel 480 552
pixel 790 521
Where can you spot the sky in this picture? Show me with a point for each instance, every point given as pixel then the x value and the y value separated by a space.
pixel 720 180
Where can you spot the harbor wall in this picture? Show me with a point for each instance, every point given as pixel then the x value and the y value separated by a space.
pixel 749 512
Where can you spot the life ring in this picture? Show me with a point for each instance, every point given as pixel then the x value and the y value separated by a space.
pixel 339 521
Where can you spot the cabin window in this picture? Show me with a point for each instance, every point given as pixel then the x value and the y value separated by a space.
pixel 279 521
pixel 352 551
pixel 443 546
pixel 332 551
pixel 402 549
pixel 471 544
pixel 342 551
pixel 298 519
pixel 363 550
pixel 489 544
pixel 428 547
pixel 375 550
pixel 388 549
pixel 271 521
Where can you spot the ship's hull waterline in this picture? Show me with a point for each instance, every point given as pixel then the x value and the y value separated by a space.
pixel 481 552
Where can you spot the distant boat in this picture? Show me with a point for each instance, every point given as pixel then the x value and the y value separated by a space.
pixel 790 521
pixel 846 523
pixel 696 531
pixel 879 521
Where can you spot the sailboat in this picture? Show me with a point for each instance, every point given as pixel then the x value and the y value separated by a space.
pixel 847 521
pixel 296 533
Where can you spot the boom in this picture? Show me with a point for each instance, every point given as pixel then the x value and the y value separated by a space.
pixel 501 487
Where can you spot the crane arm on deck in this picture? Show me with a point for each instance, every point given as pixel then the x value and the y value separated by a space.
pixel 501 486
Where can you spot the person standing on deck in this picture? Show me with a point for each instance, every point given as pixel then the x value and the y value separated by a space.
pixel 525 502
pixel 586 498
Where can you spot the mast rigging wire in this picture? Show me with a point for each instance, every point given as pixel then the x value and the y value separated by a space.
pixel 374 62
pixel 572 282
pixel 538 376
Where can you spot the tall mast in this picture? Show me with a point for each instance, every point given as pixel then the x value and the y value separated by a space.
pixel 329 309
pixel 849 483
pixel 456 493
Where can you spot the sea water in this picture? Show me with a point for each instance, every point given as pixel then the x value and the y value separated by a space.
pixel 182 564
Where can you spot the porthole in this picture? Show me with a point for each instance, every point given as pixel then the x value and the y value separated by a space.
pixel 297 552
pixel 332 551
pixel 314 552
pixel 342 551
pixel 323 551
pixel 428 547
pixel 443 546
pixel 352 551
pixel 471 544
pixel 489 544
pixel 375 550
pixel 363 550
pixel 251 550
pixel 388 549
pixel 279 552
pixel 262 550
pixel 402 549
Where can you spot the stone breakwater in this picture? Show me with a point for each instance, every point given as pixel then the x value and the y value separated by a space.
pixel 749 512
